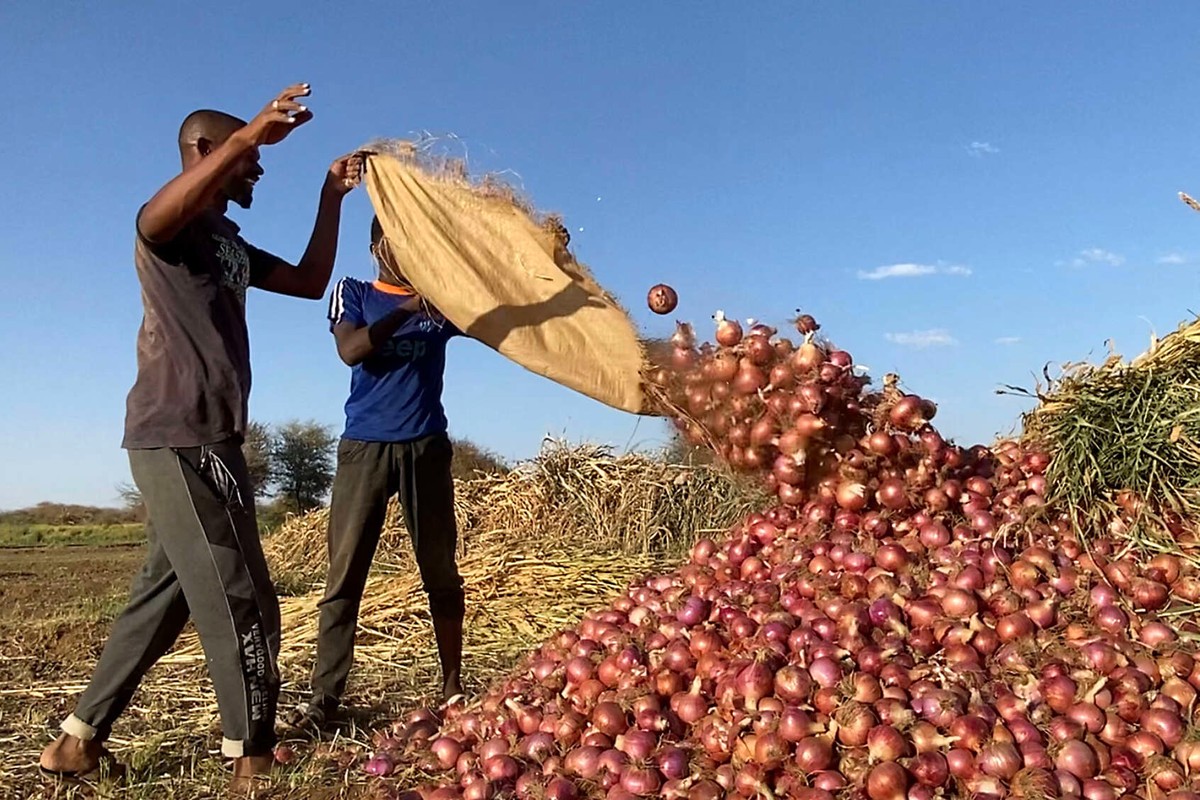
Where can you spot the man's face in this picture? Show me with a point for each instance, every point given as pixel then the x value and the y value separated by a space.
pixel 239 186
pixel 389 270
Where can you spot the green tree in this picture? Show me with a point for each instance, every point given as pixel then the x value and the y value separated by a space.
pixel 257 449
pixel 302 463
pixel 470 460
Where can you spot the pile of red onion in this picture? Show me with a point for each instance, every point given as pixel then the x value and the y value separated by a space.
pixel 911 621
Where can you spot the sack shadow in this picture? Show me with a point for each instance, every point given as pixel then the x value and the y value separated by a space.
pixel 497 325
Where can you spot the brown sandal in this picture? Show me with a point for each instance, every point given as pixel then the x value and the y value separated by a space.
pixel 107 768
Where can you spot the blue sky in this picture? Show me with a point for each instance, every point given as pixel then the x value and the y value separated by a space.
pixel 959 192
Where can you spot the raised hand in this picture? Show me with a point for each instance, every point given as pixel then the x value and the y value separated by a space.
pixel 279 117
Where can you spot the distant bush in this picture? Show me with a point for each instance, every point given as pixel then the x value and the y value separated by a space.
pixel 43 535
pixel 470 459
pixel 273 513
pixel 64 514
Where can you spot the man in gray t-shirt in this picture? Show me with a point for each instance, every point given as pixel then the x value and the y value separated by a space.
pixel 185 419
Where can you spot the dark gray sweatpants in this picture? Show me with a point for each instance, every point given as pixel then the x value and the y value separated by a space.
pixel 368 475
pixel 205 561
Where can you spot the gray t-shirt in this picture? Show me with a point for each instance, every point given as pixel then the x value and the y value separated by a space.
pixel 193 349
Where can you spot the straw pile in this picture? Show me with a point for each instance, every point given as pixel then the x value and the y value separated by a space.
pixel 564 500
pixel 540 546
pixel 1124 438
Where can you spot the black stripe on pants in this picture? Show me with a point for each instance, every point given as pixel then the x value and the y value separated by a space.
pixel 206 561
pixel 368 475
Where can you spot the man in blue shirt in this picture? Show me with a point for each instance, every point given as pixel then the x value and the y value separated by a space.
pixel 395 442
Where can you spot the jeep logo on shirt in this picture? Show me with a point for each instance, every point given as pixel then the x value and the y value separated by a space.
pixel 403 349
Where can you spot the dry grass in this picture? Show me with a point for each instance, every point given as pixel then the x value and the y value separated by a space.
pixel 1131 427
pixel 566 498
pixel 541 545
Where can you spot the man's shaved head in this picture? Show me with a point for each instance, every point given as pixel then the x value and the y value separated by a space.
pixel 204 131
pixel 211 126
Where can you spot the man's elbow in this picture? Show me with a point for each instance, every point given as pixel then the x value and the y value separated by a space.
pixel 310 289
pixel 348 357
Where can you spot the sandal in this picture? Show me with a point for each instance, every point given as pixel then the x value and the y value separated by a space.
pixel 453 700
pixel 309 715
pixel 107 767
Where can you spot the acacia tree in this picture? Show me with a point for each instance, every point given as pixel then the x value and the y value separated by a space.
pixel 302 463
pixel 131 497
pixel 257 449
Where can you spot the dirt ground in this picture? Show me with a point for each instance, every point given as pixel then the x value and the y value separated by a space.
pixel 57 606
pixel 54 606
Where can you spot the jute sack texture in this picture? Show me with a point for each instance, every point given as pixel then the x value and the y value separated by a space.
pixel 505 277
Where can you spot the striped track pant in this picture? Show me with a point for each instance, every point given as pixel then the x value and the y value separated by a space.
pixel 205 562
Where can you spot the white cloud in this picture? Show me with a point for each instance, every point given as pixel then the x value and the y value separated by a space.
pixel 910 271
pixel 1097 255
pixel 1008 340
pixel 981 149
pixel 897 271
pixel 937 337
pixel 1173 259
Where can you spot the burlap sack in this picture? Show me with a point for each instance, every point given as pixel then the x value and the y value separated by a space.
pixel 505 277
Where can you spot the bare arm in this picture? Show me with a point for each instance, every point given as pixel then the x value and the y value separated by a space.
pixel 193 190
pixel 355 344
pixel 310 277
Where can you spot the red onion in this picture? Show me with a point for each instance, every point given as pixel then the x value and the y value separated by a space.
pixel 813 754
pixel 672 762
pixel 380 765
pixel 446 750
pixel 885 743
pixel 640 781
pixel 851 496
pixel 1164 773
pixel 501 768
pixel 792 684
pixel 636 744
pixel 892 494
pixel 930 769
pixel 887 781
pixel 478 789
pixel 583 762
pixel 729 332
pixel 609 718
pixel 1156 634
pixel 559 788
pixel 1167 726
pixel 825 672
pixel 1078 759
pixel 1000 760
pixel 906 414
pixel 1014 626
pixel 1088 715
pixel 855 721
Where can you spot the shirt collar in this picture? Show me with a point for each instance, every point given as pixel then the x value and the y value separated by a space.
pixel 388 288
